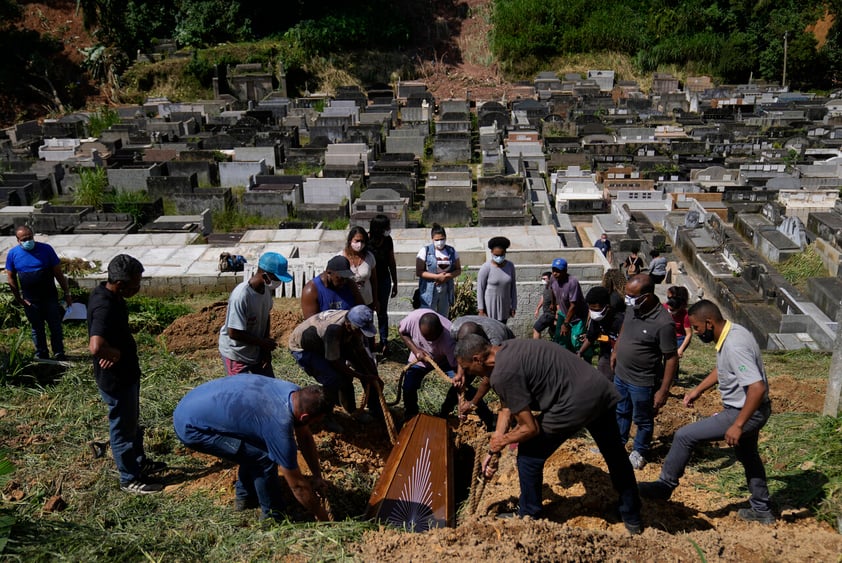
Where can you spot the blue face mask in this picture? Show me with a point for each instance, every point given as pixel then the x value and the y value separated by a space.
pixel 499 259
pixel 28 245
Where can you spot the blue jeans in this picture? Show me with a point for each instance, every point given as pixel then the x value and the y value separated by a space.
pixel 711 429
pixel 636 404
pixel 257 475
pixel 339 388
pixel 45 312
pixel 125 431
pixel 533 454
pixel 412 383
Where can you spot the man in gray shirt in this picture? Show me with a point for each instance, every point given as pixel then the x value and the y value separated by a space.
pixel 540 376
pixel 745 396
pixel 644 361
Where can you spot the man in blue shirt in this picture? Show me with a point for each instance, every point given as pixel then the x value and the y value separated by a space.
pixel 32 268
pixel 258 422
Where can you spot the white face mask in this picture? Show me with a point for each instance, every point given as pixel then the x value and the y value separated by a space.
pixel 440 243
pixel 598 315
pixel 387 233
pixel 499 259
pixel 357 245
pixel 635 302
pixel 271 284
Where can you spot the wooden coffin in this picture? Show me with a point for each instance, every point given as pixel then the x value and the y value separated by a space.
pixel 416 490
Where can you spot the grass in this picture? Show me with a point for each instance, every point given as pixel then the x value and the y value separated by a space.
pixel 48 423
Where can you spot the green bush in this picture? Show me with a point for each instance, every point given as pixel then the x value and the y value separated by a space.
pixel 91 190
pixel 153 315
pixel 101 120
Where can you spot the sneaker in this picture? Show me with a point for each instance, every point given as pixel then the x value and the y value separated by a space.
pixel 506 515
pixel 657 490
pixel 60 357
pixel 241 504
pixel 637 460
pixel 150 467
pixel 634 529
pixel 139 487
pixel 752 515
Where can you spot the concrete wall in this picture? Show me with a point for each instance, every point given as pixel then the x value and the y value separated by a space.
pixel 265 204
pixel 132 178
pixel 239 174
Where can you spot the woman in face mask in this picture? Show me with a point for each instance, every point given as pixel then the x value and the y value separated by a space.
pixel 677 299
pixel 497 284
pixel 363 265
pixel 436 266
pixel 605 320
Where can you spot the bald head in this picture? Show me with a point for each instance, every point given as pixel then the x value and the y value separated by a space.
pixel 706 310
pixel 430 326
pixel 640 284
pixel 470 327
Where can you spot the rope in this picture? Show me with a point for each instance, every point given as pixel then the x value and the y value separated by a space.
pixel 400 386
pixel 441 372
pixel 387 415
pixel 478 480
pixel 326 506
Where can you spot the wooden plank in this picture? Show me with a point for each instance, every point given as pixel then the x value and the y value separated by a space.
pixel 415 490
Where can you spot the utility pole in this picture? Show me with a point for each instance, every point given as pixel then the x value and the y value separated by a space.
pixel 783 79
pixel 834 381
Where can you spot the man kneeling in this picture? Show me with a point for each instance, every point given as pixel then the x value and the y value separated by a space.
pixel 257 421
pixel 538 375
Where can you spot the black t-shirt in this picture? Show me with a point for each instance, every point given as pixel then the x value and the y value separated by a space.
pixel 108 317
pixel 542 376
pixel 605 332
pixel 382 253
pixel 640 350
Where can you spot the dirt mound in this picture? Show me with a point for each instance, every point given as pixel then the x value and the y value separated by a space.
pixel 200 331
pixel 519 540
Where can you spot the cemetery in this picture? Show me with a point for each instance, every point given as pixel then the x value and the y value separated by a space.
pixel 574 156
pixel 679 168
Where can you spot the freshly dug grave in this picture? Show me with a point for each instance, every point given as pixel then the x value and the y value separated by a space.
pixel 697 524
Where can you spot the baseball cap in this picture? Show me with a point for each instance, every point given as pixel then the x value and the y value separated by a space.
pixel 361 317
pixel 559 264
pixel 340 266
pixel 275 264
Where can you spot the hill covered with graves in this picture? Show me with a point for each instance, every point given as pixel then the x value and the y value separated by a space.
pixel 728 181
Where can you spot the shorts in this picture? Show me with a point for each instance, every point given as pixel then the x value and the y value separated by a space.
pixel 545 321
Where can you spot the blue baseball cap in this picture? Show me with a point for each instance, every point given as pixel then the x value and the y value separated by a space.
pixel 361 317
pixel 275 264
pixel 559 264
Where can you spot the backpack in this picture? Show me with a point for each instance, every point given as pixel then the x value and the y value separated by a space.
pixel 231 262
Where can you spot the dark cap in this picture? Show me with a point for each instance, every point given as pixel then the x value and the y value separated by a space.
pixel 340 266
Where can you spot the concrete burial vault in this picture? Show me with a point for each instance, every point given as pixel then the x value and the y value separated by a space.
pixel 416 488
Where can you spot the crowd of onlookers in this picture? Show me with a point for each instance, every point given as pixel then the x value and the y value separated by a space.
pixel 548 385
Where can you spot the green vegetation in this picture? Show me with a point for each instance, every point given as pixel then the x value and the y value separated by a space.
pixel 229 221
pixel 91 190
pixel 101 120
pixel 131 202
pixel 797 269
pixel 730 40
pixel 7 519
pixel 152 315
pixel 47 439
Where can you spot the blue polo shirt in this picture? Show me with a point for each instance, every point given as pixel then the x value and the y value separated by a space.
pixel 254 408
pixel 34 270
